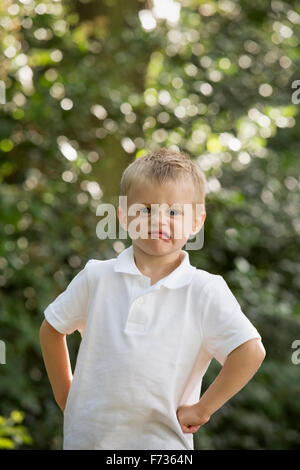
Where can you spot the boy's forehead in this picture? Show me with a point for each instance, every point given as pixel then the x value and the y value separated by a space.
pixel 148 192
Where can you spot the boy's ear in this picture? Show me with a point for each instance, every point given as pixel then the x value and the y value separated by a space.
pixel 198 222
pixel 122 217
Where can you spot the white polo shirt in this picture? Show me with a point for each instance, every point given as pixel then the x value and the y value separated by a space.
pixel 144 350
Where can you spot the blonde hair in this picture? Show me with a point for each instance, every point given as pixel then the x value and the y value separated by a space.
pixel 161 166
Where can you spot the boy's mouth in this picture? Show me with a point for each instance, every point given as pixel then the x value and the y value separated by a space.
pixel 160 234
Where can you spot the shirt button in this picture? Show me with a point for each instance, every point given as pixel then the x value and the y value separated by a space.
pixel 140 300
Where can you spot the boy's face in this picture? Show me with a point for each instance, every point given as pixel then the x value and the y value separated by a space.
pixel 157 220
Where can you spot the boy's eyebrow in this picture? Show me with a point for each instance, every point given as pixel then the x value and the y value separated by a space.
pixel 142 203
pixel 176 204
pixel 145 203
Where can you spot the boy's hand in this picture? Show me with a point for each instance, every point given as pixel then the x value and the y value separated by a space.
pixel 240 365
pixel 189 419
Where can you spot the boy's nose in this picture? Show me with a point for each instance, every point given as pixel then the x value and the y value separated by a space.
pixel 159 219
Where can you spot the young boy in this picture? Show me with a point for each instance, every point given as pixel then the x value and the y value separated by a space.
pixel 150 325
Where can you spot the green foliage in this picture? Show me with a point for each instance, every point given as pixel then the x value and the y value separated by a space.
pixel 87 90
pixel 13 434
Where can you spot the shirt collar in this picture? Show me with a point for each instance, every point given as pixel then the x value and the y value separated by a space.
pixel 181 276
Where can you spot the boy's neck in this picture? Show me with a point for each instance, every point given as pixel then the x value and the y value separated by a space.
pixel 156 267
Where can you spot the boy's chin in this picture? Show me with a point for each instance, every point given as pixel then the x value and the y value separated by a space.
pixel 159 246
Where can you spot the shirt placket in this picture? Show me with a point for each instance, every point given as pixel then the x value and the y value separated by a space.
pixel 140 311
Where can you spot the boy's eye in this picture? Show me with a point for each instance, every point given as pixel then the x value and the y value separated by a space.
pixel 145 210
pixel 174 212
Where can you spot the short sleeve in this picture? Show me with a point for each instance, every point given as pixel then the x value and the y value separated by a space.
pixel 225 326
pixel 68 311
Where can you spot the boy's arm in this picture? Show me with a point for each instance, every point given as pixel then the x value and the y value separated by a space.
pixel 240 366
pixel 57 362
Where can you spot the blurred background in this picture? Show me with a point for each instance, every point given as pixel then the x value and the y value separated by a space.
pixel 88 86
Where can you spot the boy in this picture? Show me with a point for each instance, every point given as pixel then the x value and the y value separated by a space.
pixel 150 325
